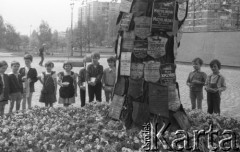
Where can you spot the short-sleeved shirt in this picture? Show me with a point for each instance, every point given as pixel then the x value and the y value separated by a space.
pixel 109 76
pixel 219 79
pixel 199 76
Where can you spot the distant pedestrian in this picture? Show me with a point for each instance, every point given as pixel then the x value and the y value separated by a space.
pixel 196 81
pixel 4 86
pixel 68 83
pixel 15 86
pixel 49 89
pixel 29 77
pixel 82 84
pixel 215 85
pixel 109 76
pixel 94 77
pixel 41 54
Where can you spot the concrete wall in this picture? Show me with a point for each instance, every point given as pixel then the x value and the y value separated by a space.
pixel 224 46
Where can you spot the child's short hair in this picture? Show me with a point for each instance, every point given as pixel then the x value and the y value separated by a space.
pixel 3 63
pixel 217 62
pixel 95 55
pixel 67 63
pixel 111 59
pixel 15 63
pixel 199 60
pixel 49 64
pixel 28 56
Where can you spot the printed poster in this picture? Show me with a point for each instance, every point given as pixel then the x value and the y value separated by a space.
pixel 151 71
pixel 126 5
pixel 125 64
pixel 156 46
pixel 128 41
pixel 140 49
pixel 182 11
pixel 168 75
pixel 163 16
pixel 136 70
pixel 126 21
pixel 140 8
pixel 142 27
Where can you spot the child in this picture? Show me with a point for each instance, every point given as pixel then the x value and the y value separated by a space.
pixel 215 85
pixel 68 83
pixel 4 86
pixel 109 76
pixel 15 86
pixel 29 77
pixel 94 76
pixel 196 81
pixel 49 81
pixel 82 84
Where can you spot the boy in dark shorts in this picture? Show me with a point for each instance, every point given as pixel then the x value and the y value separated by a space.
pixel 196 81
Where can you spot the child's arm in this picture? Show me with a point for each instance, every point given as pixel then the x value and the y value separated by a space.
pixel 55 82
pixel 34 77
pixel 100 74
pixel 188 80
pixel 59 81
pixel 103 78
pixel 223 85
pixel 75 84
pixel 41 78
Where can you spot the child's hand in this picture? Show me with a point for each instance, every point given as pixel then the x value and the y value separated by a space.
pixel 24 78
pixel 197 82
pixel 29 80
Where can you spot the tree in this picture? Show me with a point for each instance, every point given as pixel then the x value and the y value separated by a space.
pixel 55 41
pixel 12 38
pixel 45 34
pixel 2 32
pixel 24 41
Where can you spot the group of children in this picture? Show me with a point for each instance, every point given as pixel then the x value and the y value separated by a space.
pixel 214 85
pixel 18 85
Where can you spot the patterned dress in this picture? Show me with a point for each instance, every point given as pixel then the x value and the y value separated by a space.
pixel 48 91
pixel 67 93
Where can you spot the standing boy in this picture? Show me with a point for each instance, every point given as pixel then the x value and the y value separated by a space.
pixel 82 84
pixel 215 85
pixel 4 86
pixel 94 77
pixel 15 86
pixel 29 77
pixel 109 76
pixel 196 81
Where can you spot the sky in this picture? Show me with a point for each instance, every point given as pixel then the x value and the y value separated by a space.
pixel 26 15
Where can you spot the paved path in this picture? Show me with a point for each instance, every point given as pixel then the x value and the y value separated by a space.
pixel 230 98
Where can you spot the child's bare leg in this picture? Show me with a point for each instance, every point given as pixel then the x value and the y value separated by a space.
pixel 29 100
pixel 11 106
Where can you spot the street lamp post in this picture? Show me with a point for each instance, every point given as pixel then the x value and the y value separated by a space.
pixel 72 5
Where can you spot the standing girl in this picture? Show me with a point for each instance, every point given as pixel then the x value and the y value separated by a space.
pixel 49 81
pixel 215 85
pixel 68 83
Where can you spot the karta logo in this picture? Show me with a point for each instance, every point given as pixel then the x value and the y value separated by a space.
pixel 216 140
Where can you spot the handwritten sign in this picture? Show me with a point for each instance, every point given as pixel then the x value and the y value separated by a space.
pixel 119 87
pixel 168 75
pixel 156 46
pixel 126 5
pixel 125 64
pixel 151 71
pixel 135 89
pixel 128 41
pixel 158 99
pixel 116 106
pixel 140 8
pixel 126 21
pixel 136 70
pixel 140 49
pixel 142 27
pixel 163 16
